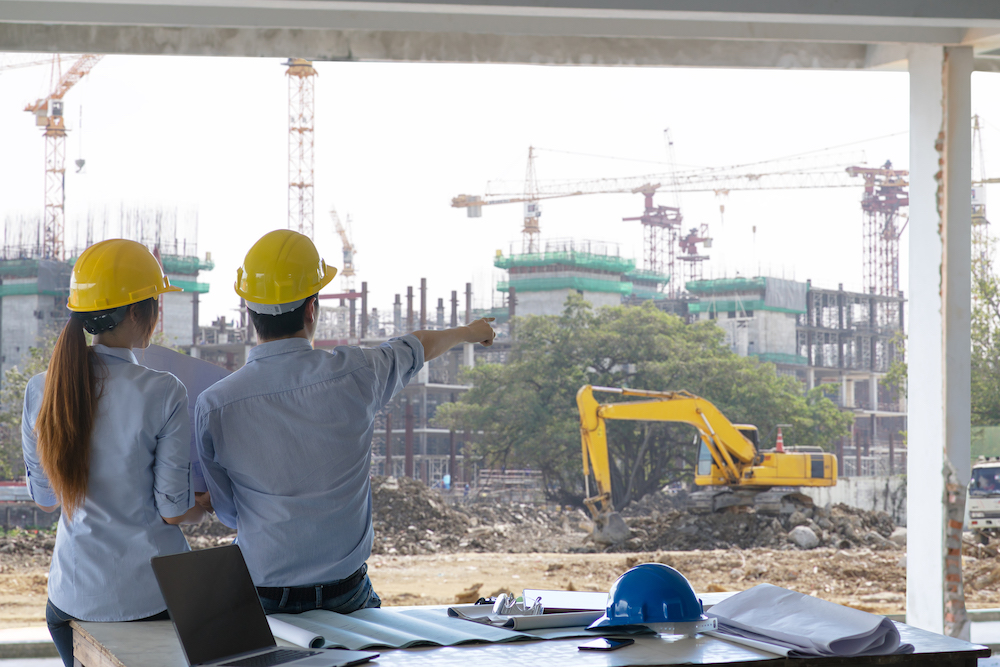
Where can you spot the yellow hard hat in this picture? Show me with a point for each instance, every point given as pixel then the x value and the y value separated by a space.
pixel 115 273
pixel 280 272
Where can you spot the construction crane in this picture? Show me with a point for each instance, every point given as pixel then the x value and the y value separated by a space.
pixel 6 65
pixel 301 134
pixel 662 225
pixel 885 194
pixel 347 272
pixel 49 115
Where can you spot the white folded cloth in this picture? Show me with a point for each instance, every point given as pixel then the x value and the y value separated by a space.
pixel 803 626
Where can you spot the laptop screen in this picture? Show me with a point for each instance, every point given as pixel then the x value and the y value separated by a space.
pixel 213 603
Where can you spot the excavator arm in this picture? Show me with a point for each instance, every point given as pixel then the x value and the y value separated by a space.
pixel 736 461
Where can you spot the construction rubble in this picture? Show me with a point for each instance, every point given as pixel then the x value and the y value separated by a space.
pixel 412 519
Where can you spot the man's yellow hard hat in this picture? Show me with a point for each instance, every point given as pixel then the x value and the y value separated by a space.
pixel 280 272
pixel 115 273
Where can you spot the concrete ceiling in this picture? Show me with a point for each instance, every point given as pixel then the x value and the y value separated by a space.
pixel 840 34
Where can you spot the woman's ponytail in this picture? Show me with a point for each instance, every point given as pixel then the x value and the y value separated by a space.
pixel 66 418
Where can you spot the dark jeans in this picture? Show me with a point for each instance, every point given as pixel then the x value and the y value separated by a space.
pixel 62 634
pixel 359 597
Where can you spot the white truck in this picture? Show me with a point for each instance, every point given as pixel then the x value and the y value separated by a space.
pixel 983 503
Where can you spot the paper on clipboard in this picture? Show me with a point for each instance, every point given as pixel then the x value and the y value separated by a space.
pixel 196 375
pixel 483 613
pixel 562 601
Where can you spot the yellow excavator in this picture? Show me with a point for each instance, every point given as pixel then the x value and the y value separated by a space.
pixel 729 463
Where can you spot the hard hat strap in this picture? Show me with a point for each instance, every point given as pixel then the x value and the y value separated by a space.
pixel 102 321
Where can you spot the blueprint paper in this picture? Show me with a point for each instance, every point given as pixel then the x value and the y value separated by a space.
pixel 806 626
pixel 294 634
pixel 381 628
pixel 196 376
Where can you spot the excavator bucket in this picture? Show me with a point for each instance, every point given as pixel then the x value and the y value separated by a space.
pixel 610 528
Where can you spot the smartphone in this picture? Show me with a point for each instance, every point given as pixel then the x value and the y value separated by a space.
pixel 605 644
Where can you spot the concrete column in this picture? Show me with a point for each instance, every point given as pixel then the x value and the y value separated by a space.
pixel 408 440
pixel 873 390
pixel 423 303
pixel 938 462
pixel 364 310
pixel 397 316
pixel 468 302
pixel 409 309
pixel 810 379
pixel 388 444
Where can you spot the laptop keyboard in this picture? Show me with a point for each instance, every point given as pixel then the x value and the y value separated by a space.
pixel 279 657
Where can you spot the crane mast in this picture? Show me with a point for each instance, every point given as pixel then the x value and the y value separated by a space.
pixel 49 115
pixel 301 113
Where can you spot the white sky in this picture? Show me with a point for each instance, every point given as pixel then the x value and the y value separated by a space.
pixel 394 143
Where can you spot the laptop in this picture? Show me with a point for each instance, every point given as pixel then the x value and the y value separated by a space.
pixel 218 618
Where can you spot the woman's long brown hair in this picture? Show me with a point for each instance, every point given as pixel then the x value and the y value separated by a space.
pixel 69 404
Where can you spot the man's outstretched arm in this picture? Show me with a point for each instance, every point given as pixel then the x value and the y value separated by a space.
pixel 437 343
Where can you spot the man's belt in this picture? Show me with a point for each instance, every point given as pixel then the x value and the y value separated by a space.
pixel 330 589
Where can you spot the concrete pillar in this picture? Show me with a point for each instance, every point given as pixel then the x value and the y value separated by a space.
pixel 938 462
pixel 440 314
pixel 408 440
pixel 397 317
pixel 873 390
pixel 468 302
pixel 454 309
pixel 354 317
pixel 364 310
pixel 423 303
pixel 511 308
pixel 810 379
pixel 409 309
pixel 388 444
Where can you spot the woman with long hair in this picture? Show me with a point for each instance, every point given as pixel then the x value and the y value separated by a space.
pixel 108 441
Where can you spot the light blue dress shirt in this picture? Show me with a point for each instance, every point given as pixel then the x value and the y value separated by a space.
pixel 140 471
pixel 285 444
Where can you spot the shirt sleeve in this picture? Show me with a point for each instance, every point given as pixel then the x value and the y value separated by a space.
pixel 172 489
pixel 38 483
pixel 216 478
pixel 394 362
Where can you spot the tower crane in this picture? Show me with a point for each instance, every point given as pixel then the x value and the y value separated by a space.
pixel 301 131
pixel 347 273
pixel 887 193
pixel 49 115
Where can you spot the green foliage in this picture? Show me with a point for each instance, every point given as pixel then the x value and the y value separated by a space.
pixel 11 405
pixel 526 409
pixel 985 341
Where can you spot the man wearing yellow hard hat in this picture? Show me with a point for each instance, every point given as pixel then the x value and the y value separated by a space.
pixel 285 442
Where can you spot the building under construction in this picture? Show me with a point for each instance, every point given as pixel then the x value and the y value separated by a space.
pixel 34 289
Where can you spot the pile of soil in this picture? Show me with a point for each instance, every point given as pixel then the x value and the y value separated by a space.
pixel 840 527
pixel 411 519
pixel 24 549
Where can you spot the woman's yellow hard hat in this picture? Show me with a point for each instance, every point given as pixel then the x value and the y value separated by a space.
pixel 280 272
pixel 115 273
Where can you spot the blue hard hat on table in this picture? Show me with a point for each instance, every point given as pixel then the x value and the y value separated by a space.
pixel 650 593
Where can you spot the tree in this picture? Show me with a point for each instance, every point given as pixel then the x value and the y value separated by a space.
pixel 12 403
pixel 985 360
pixel 526 409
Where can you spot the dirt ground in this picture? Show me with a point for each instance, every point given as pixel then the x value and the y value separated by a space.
pixel 869 580
pixel 429 552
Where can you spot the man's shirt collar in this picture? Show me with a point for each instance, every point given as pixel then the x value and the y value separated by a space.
pixel 281 346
